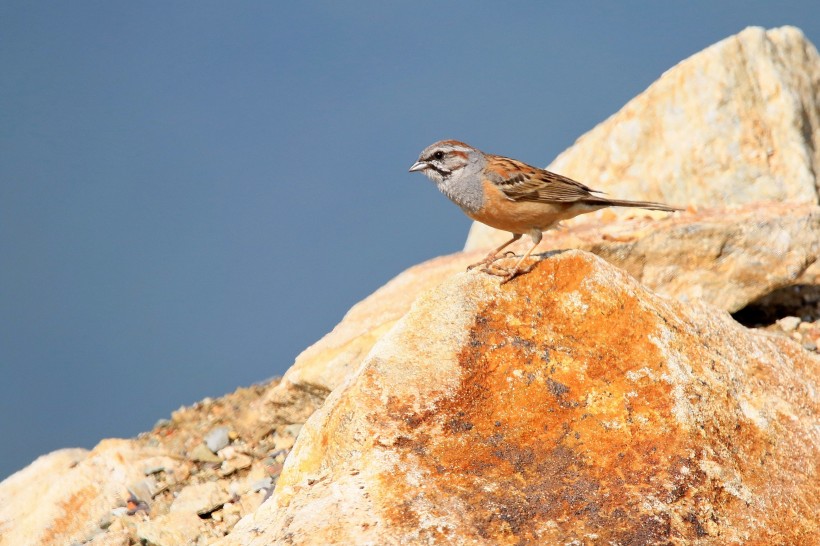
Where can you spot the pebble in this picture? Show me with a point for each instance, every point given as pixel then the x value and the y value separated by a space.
pixel 203 454
pixel 788 324
pixel 237 463
pixel 283 443
pixel 217 439
pixel 262 485
pixel 169 529
pixel 202 498
pixel 143 490
pixel 293 429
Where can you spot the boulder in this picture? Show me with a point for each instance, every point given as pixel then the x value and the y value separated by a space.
pixel 571 404
pixel 728 258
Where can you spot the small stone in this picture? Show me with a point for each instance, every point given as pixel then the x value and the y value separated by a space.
pixel 170 529
pixel 217 439
pixel 805 326
pixel 237 463
pixel 231 513
pixel 203 454
pixel 279 456
pixel 143 490
pixel 105 521
pixel 228 452
pixel 250 502
pixel 284 442
pixel 788 324
pixel 293 429
pixel 161 423
pixel 201 498
pixel 262 485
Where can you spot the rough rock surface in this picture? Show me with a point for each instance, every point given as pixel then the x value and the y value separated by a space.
pixel 569 405
pixel 152 490
pixel 61 497
pixel 324 365
pixel 736 123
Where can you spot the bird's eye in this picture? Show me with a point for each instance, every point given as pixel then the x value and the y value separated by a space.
pixel 438 155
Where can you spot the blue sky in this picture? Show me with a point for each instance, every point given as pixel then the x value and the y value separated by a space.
pixel 193 192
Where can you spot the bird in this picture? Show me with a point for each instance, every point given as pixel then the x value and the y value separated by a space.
pixel 510 195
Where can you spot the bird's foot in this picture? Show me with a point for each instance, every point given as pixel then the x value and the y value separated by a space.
pixel 508 273
pixel 497 271
pixel 490 260
pixel 511 274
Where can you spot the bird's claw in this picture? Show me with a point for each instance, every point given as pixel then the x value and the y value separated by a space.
pixel 490 260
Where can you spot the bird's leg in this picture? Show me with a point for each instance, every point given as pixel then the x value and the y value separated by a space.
pixel 491 257
pixel 511 274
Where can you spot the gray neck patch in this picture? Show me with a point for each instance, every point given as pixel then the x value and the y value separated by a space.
pixel 464 186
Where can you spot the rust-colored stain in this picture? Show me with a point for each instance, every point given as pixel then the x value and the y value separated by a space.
pixel 74 510
pixel 548 437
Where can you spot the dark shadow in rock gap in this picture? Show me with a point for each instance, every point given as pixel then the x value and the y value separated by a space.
pixel 798 300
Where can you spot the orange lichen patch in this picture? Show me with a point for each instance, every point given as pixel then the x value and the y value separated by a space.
pixel 562 423
pixel 74 510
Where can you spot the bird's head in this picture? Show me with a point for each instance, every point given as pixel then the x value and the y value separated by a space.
pixel 445 158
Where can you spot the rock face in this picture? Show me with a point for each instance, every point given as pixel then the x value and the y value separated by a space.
pixel 152 490
pixel 569 405
pixel 61 497
pixel 728 257
pixel 737 123
pixel 327 363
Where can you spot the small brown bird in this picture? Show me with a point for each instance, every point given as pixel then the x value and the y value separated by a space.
pixel 510 195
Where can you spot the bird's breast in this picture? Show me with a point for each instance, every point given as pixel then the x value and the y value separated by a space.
pixel 500 212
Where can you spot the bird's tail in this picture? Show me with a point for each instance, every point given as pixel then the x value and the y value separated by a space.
pixel 638 204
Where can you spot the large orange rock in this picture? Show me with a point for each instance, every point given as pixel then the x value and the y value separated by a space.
pixel 571 404
pixel 727 257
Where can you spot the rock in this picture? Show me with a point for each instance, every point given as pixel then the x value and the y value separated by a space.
pixel 143 490
pixel 202 498
pixel 788 324
pixel 121 537
pixel 324 365
pixel 173 529
pixel 239 462
pixel 102 497
pixel 201 453
pixel 61 497
pixel 736 123
pixel 217 439
pixel 293 430
pixel 571 404
pixel 730 258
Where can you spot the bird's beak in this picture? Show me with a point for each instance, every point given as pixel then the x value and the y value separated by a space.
pixel 418 166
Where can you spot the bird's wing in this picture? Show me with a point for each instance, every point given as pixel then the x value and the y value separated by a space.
pixel 522 182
